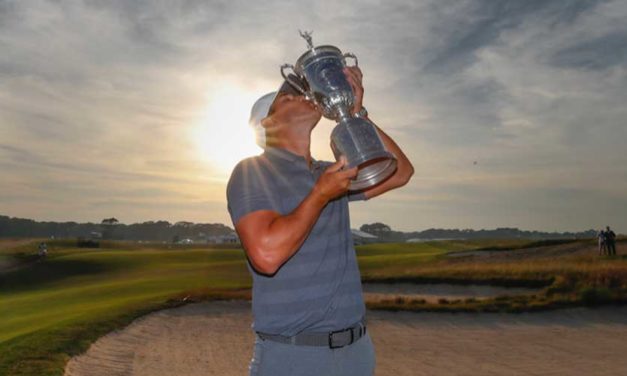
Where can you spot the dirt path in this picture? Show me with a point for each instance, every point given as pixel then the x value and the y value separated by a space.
pixel 215 339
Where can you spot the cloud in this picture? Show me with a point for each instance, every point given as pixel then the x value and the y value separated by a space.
pixel 594 54
pixel 472 25
pixel 98 99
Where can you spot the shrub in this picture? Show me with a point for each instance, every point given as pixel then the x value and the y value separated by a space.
pixel 593 296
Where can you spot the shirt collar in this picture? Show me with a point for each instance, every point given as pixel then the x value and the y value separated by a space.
pixel 275 152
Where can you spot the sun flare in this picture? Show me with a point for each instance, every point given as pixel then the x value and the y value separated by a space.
pixel 223 137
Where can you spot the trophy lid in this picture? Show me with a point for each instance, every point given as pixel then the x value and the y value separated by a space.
pixel 313 52
pixel 316 53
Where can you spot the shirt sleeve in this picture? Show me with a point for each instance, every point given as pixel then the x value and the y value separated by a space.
pixel 247 191
pixel 357 196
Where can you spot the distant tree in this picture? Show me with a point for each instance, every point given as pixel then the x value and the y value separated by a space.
pixel 376 228
pixel 108 227
pixel 110 221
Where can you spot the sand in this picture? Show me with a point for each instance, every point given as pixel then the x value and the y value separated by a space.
pixel 214 338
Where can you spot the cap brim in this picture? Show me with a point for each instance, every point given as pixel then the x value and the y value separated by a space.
pixel 263 105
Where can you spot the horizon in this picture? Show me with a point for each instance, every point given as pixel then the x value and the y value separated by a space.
pixel 511 112
pixel 353 227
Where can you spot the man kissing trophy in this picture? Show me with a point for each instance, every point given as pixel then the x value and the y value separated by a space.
pixel 354 136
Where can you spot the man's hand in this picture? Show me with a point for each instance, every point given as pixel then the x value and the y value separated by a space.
pixel 334 182
pixel 355 78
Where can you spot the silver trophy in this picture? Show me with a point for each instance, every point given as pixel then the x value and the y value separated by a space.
pixel 321 68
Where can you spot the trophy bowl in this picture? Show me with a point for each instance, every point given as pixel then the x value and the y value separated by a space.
pixel 358 140
pixel 322 69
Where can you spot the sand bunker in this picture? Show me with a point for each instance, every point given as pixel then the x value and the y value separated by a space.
pixel 214 338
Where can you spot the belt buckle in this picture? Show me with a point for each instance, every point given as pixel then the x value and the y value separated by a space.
pixel 331 346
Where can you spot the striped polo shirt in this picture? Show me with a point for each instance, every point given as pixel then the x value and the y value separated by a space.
pixel 319 288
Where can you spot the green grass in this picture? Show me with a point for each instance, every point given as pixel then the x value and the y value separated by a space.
pixel 53 309
pixel 399 261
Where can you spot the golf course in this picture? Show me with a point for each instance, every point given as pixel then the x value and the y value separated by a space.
pixel 54 308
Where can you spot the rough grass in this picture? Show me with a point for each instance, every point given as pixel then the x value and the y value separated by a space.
pixel 580 279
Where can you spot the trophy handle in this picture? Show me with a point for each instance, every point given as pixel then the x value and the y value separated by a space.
pixel 289 79
pixel 352 56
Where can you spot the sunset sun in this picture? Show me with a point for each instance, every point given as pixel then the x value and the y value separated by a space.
pixel 223 136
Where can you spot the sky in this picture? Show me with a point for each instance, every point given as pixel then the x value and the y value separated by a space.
pixel 512 112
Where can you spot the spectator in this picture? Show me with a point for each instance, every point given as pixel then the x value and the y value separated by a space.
pixel 43 249
pixel 610 240
pixel 602 242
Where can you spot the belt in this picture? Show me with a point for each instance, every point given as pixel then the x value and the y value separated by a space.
pixel 333 340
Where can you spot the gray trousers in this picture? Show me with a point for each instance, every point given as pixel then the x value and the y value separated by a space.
pixel 278 359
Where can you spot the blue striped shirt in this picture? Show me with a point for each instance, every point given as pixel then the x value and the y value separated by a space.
pixel 319 288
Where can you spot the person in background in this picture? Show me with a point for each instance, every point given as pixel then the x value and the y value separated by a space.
pixel 610 241
pixel 43 249
pixel 602 244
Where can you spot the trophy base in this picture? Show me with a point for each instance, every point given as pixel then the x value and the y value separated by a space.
pixel 373 172
pixel 358 140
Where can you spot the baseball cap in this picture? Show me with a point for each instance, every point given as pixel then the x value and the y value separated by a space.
pixel 262 107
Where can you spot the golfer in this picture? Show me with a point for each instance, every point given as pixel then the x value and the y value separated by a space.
pixel 291 214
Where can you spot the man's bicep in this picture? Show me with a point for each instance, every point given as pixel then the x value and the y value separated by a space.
pixel 253 227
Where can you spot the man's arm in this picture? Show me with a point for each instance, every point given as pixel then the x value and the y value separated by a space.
pixel 400 177
pixel 270 238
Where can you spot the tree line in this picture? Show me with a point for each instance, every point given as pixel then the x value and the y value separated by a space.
pixel 109 228
pixel 386 233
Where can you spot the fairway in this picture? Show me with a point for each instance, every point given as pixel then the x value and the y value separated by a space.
pixel 54 308
pixel 77 285
pixel 78 288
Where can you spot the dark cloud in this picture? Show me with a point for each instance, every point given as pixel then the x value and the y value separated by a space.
pixel 594 54
pixel 482 22
pixel 8 12
pixel 467 113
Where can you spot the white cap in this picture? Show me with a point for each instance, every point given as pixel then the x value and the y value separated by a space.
pixel 262 106
pixel 258 113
